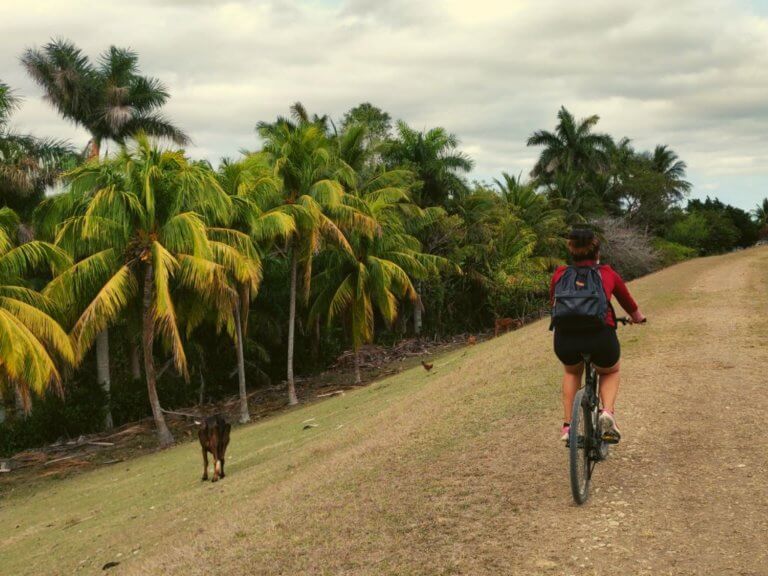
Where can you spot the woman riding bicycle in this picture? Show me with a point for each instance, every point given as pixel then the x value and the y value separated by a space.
pixel 600 343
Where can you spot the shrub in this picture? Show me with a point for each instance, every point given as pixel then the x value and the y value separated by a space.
pixel 629 250
pixel 672 252
pixel 707 230
pixel 691 231
pixel 80 411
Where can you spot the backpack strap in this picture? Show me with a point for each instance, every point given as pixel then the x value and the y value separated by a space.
pixel 596 268
pixel 610 304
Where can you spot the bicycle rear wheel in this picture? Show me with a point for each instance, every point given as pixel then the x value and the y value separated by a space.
pixel 579 444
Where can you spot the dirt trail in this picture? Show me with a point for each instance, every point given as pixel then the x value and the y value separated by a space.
pixel 458 471
pixel 687 493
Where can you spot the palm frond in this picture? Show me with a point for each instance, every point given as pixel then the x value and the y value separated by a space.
pixel 164 267
pixel 105 308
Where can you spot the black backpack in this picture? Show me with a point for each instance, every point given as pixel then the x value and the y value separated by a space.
pixel 580 302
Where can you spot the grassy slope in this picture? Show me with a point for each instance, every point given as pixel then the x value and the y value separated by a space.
pixel 409 475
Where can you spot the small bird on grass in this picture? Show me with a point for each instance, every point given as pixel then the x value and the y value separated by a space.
pixel 427 367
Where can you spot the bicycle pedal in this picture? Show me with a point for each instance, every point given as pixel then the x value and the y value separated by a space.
pixel 610 439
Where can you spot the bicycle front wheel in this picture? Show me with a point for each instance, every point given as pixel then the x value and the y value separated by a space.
pixel 579 440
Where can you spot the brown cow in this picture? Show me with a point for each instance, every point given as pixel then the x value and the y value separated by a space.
pixel 505 324
pixel 214 438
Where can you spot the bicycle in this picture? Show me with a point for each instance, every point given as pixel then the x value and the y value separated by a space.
pixel 586 444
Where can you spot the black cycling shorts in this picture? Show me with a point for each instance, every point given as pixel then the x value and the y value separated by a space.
pixel 602 345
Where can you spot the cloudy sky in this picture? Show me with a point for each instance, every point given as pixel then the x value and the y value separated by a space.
pixel 689 73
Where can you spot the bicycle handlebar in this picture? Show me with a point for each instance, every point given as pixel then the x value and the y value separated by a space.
pixel 627 320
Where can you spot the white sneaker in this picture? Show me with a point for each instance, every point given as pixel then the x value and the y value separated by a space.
pixel 609 430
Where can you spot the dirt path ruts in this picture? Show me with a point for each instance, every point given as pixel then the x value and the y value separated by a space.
pixel 687 492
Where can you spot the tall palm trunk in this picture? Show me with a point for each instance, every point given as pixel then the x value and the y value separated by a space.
pixel 418 308
pixel 8 410
pixel 358 379
pixel 314 350
pixel 148 339
pixel 244 414
pixel 135 352
pixel 13 403
pixel 245 306
pixel 102 372
pixel 102 339
pixel 292 398
pixel 202 387
pixel 18 403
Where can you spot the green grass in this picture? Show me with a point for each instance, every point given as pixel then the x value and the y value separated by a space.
pixel 132 509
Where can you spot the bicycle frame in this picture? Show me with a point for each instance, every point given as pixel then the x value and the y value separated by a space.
pixel 597 448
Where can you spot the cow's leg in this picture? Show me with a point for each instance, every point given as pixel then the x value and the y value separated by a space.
pixel 205 465
pixel 221 474
pixel 216 466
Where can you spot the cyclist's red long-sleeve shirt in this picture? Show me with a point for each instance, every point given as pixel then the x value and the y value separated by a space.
pixel 612 284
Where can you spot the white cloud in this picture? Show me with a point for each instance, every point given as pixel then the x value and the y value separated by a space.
pixel 691 73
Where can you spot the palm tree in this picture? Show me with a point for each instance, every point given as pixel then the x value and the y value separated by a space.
pixel 33 347
pixel 377 123
pixel 27 164
pixel 609 185
pixel 433 157
pixel 377 275
pixel 140 221
pixel 567 192
pixel 524 200
pixel 234 274
pixel 761 212
pixel 300 153
pixel 535 210
pixel 439 168
pixel 572 147
pixel 665 162
pixel 8 102
pixel 111 100
pixel 352 286
pixel 250 183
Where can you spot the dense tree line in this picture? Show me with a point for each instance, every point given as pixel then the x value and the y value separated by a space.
pixel 149 279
